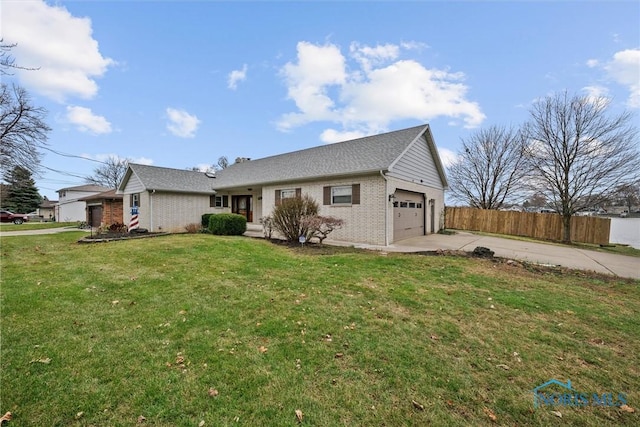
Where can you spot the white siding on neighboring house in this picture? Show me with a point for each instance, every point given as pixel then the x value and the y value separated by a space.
pixel 417 165
pixel 69 208
pixel 364 222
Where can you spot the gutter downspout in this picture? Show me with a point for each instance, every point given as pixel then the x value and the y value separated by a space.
pixel 386 209
pixel 151 193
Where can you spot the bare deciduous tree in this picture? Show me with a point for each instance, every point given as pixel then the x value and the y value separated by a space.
pixel 627 195
pixel 8 62
pixel 22 129
pixel 490 168
pixel 110 174
pixel 579 153
pixel 223 162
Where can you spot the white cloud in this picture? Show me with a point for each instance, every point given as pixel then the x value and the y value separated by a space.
pixel 60 45
pixel 237 76
pixel 370 89
pixel 329 136
pixel 593 63
pixel 204 167
pixel 447 157
pixel 86 121
pixel 624 68
pixel 142 161
pixel 369 56
pixel 181 123
pixel 318 68
pixel 596 92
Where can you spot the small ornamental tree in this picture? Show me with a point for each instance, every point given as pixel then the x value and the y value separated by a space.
pixel 288 217
pixel 321 226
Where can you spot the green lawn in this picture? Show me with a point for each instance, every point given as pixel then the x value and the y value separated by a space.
pixel 185 329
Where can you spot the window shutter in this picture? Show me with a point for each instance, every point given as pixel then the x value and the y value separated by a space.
pixel 130 200
pixel 355 194
pixel 298 192
pixel 326 195
pixel 277 197
pixel 212 201
pixel 225 201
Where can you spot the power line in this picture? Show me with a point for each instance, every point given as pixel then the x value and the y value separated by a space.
pixel 73 156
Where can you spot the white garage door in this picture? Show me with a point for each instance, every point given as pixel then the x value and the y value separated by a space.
pixel 408 215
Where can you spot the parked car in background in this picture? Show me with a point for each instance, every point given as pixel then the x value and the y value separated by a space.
pixel 6 216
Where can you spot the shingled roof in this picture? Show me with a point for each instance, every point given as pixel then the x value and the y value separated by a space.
pixel 168 179
pixel 363 155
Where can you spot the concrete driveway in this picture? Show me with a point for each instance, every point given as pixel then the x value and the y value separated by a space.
pixel 534 252
pixel 40 231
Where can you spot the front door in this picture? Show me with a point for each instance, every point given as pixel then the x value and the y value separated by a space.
pixel 243 205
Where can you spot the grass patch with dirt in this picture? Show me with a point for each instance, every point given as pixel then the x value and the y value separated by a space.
pixel 195 328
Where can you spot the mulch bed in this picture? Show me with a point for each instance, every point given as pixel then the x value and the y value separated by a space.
pixel 112 236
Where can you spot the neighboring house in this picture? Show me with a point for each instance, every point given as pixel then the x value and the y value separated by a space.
pixel 70 207
pixel 385 187
pixel 103 208
pixel 47 210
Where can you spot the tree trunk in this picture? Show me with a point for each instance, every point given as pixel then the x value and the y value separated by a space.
pixel 566 228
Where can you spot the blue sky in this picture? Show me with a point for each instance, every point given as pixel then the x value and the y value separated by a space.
pixel 179 84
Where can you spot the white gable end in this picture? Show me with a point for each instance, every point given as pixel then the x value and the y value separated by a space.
pixel 134 185
pixel 417 165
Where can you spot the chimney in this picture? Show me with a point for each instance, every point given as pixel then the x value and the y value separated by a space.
pixel 242 159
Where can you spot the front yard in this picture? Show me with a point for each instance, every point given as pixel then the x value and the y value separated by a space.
pixel 190 330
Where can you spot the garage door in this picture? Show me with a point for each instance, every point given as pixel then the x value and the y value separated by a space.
pixel 408 215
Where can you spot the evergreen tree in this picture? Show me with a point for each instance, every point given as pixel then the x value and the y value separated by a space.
pixel 22 195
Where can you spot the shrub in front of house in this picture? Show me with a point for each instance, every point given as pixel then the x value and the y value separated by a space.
pixel 227 224
pixel 193 228
pixel 288 217
pixel 320 226
pixel 205 220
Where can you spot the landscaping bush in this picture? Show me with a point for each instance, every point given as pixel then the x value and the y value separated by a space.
pixel 288 216
pixel 118 227
pixel 193 228
pixel 320 226
pixel 227 224
pixel 267 226
pixel 205 220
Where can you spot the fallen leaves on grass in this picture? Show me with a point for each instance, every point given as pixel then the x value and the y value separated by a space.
pixel 79 415
pixel 213 392
pixel 44 360
pixel 627 408
pixel 201 423
pixel 141 419
pixel 503 366
pixel 557 413
pixel 338 355
pixel 417 405
pixel 262 349
pixel 299 415
pixel 6 417
pixel 489 413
